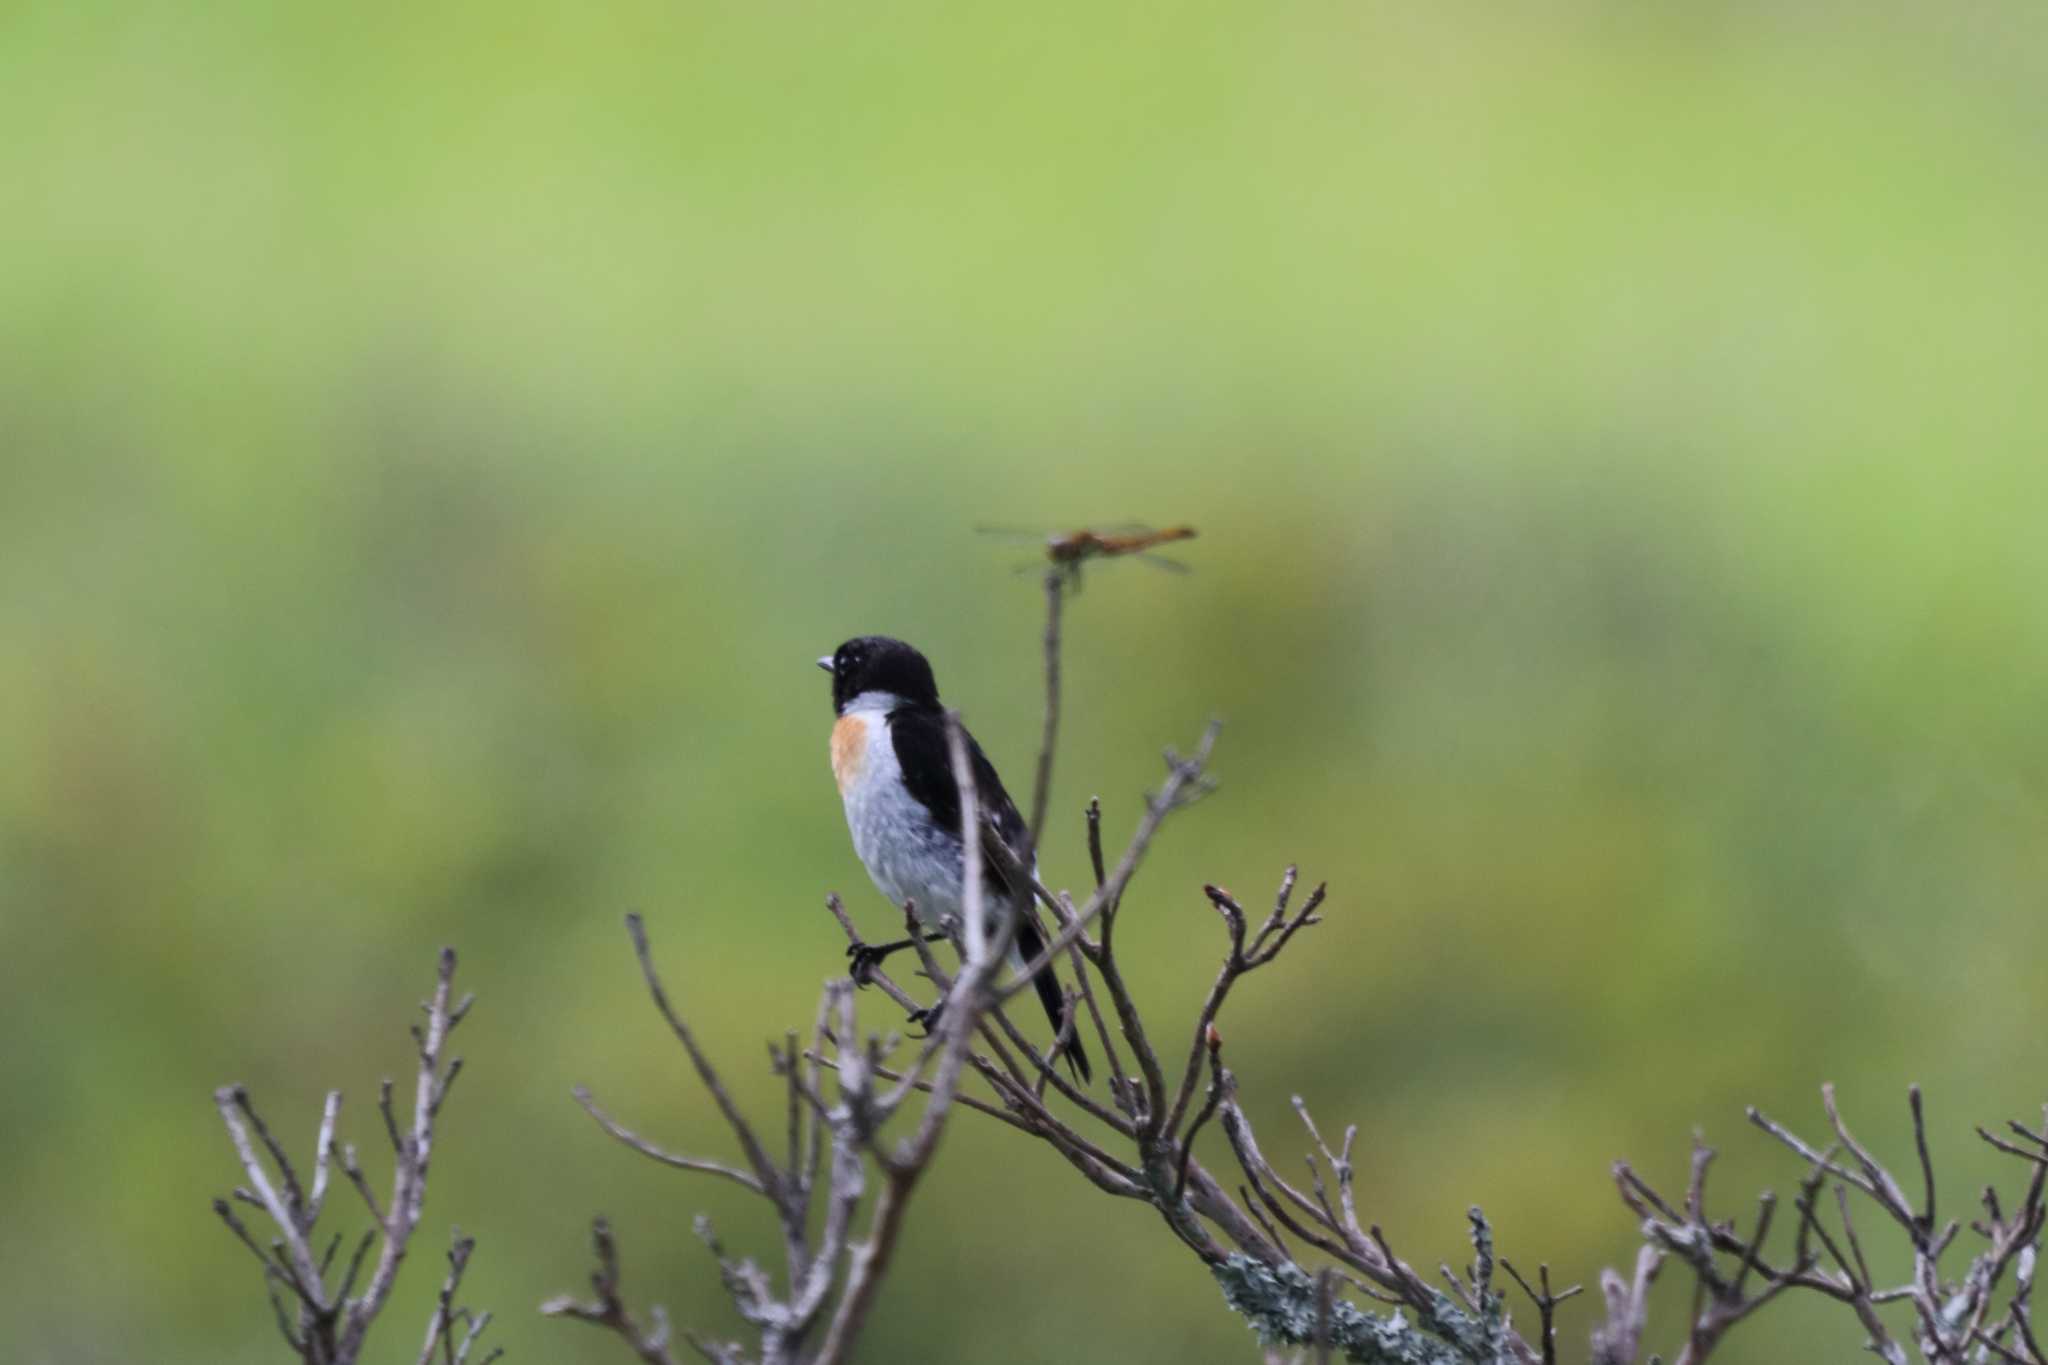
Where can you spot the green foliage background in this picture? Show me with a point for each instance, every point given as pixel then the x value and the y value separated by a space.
pixel 435 440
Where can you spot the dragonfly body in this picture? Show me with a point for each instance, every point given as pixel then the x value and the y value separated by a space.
pixel 1077 546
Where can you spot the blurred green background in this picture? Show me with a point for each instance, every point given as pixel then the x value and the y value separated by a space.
pixel 437 438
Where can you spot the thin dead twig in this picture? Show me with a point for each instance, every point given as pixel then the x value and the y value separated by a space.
pixel 331 1321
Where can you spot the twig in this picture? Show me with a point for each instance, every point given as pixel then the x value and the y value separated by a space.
pixel 757 1157
pixel 1926 1217
pixel 1095 840
pixel 1184 783
pixel 441 1326
pixel 332 1320
pixel 608 1309
pixel 1041 787
pixel 1187 1143
pixel 665 1157
pixel 1546 1305
pixel 409 1179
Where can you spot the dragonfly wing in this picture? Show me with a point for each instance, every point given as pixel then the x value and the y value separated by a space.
pixel 1009 532
pixel 1159 561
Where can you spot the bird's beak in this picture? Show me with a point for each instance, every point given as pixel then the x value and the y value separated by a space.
pixel 825 662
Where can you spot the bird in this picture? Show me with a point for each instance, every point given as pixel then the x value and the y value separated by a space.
pixel 895 774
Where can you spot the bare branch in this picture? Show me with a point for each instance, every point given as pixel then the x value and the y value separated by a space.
pixel 441 1326
pixel 323 1156
pixel 757 1157
pixel 234 1106
pixel 409 1177
pixel 1546 1306
pixel 1095 840
pixel 1926 1217
pixel 1185 782
pixel 608 1309
pixel 1041 786
pixel 1617 1339
pixel 332 1320
pixel 662 1155
pixel 1187 1145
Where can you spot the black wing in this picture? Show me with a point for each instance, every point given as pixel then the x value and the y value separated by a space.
pixel 920 739
pixel 919 736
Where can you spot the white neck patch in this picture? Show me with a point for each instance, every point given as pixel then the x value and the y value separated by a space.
pixel 872 704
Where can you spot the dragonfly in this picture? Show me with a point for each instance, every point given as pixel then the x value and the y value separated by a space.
pixel 1067 551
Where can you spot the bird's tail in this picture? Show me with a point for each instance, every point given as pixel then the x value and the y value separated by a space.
pixel 1030 943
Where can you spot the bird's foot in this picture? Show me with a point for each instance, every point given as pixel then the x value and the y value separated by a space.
pixel 928 1019
pixel 863 958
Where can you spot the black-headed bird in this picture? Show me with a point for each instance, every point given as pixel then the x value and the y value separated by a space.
pixel 895 775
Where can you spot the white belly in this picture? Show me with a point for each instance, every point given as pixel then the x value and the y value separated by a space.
pixel 909 858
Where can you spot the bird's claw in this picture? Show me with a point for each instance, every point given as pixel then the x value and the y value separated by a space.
pixel 927 1019
pixel 861 961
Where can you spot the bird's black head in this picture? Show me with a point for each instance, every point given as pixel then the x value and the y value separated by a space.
pixel 876 663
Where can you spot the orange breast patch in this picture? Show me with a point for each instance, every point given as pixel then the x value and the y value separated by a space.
pixel 849 747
